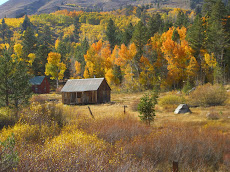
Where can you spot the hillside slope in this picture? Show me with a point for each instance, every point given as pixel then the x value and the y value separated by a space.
pixel 17 8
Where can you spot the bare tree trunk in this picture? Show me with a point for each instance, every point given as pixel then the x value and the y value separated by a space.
pixel 57 82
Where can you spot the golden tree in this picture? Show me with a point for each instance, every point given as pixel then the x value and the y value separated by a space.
pixel 55 67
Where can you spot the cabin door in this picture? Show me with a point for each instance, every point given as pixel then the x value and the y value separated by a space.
pixel 72 98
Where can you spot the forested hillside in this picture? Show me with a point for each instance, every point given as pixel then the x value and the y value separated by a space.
pixel 17 8
pixel 133 48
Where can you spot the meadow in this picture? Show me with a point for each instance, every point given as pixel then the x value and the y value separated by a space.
pixel 50 136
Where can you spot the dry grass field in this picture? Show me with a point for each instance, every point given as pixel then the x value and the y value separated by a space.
pixel 163 115
pixel 51 136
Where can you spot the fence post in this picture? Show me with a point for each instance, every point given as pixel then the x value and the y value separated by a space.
pixel 175 166
pixel 91 112
pixel 124 108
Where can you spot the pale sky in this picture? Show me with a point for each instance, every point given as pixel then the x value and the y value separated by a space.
pixel 2 1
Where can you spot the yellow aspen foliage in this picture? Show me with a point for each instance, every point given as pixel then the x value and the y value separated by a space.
pixel 68 31
pixel 14 22
pixel 126 55
pixel 97 60
pixel 77 67
pixel 106 57
pixel 16 37
pixel 128 64
pixel 208 65
pixel 114 54
pixel 18 49
pixel 86 73
pixel 31 58
pixel 97 47
pixel 57 44
pixel 193 67
pixel 178 54
pixel 55 67
pixel 2 46
pixel 155 45
pixel 109 76
pixel 210 60
pixel 147 72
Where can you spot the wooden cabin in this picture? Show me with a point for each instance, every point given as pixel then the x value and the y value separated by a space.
pixel 86 91
pixel 40 85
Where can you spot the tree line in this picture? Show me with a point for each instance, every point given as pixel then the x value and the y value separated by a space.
pixel 171 48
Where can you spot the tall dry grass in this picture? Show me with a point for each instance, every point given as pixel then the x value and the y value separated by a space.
pixel 208 95
pixel 114 142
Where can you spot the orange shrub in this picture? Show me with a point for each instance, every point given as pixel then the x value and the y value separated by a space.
pixel 194 148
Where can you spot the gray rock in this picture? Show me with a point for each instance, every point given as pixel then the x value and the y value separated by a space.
pixel 182 108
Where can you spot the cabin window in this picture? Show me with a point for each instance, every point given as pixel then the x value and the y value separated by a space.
pixel 79 95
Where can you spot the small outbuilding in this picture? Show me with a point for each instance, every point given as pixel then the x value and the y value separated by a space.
pixel 40 85
pixel 86 91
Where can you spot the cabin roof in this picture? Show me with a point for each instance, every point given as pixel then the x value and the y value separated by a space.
pixel 80 85
pixel 37 80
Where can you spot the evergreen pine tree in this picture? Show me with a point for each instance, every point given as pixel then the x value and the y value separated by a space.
pixel 19 85
pixel 26 23
pixel 28 42
pixel 127 35
pixel 180 19
pixel 76 31
pixel 6 69
pixel 167 25
pixel 216 36
pixel 154 25
pixel 15 88
pixel 207 7
pixel 196 35
pixel 111 33
pixel 79 53
pixel 140 38
pixel 146 107
pixel 5 32
pixel 43 48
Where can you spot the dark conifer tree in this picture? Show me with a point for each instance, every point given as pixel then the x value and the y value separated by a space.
pixel 127 35
pixel 15 87
pixel 28 42
pixel 26 23
pixel 6 68
pixel 76 31
pixel 42 51
pixel 140 38
pixel 5 32
pixel 154 25
pixel 111 33
pixel 196 35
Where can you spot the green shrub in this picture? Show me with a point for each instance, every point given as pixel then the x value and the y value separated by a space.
pixel 208 95
pixel 171 99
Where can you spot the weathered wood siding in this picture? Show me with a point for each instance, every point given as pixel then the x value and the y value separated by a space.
pixel 103 93
pixel 73 98
pixel 43 88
